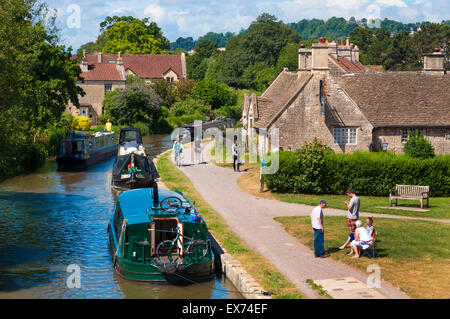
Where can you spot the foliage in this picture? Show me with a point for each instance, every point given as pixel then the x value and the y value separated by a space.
pixel 367 172
pixel 333 28
pixel 263 42
pixel 402 51
pixel 134 36
pixel 82 123
pixel 189 106
pixel 288 58
pixel 259 76
pixel 135 103
pixel 215 93
pixel 197 63
pixel 418 146
pixel 183 43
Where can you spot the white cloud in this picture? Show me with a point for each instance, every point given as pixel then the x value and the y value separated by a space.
pixel 156 12
pixel 391 3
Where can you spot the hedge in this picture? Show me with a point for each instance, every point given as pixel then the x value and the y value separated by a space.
pixel 368 173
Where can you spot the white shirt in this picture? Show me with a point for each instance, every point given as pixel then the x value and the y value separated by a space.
pixel 315 214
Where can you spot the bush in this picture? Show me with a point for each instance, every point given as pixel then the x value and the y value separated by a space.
pixel 54 141
pixel 81 123
pixel 418 146
pixel 372 174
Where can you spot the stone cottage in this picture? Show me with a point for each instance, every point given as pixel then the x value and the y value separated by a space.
pixel 105 72
pixel 348 106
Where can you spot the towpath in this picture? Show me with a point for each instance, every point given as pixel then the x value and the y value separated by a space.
pixel 252 218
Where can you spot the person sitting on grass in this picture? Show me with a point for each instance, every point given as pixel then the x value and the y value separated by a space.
pixel 371 229
pixel 362 239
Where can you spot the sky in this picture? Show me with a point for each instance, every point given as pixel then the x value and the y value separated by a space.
pixel 79 20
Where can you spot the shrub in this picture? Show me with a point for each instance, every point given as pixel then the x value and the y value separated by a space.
pixel 54 141
pixel 82 123
pixel 418 146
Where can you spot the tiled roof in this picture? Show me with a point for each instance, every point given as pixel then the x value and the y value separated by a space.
pixel 347 66
pixel 400 98
pixel 143 65
pixel 102 72
pixel 278 95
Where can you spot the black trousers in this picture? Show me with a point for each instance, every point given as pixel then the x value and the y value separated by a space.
pixel 235 160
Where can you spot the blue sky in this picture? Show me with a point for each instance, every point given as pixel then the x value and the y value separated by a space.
pixel 79 19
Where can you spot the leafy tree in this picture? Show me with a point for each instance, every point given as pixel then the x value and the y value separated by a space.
pixel 190 106
pixel 135 103
pixel 183 43
pixel 196 64
pixel 215 93
pixel 262 42
pixel 133 38
pixel 219 38
pixel 288 57
pixel 418 146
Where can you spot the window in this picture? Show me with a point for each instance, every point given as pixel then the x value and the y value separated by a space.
pixel 406 132
pixel 344 135
pixel 108 87
pixel 111 61
pixel 169 79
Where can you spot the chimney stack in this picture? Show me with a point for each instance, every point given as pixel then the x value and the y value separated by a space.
pixel 84 63
pixel 320 56
pixel 99 57
pixel 434 63
pixel 120 66
pixel 304 58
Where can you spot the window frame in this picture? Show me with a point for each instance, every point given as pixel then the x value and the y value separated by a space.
pixel 345 134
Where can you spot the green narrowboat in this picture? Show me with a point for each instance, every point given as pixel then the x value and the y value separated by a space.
pixel 159 236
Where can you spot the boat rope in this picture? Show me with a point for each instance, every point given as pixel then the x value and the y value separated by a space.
pixel 263 293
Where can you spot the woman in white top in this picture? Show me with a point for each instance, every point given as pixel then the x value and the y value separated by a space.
pixel 362 238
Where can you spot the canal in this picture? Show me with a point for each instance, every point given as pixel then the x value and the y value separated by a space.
pixel 50 220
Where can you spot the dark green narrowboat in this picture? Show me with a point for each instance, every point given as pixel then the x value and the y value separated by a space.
pixel 159 236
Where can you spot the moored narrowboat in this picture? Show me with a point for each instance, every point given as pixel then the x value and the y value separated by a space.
pixel 133 171
pixel 132 168
pixel 159 236
pixel 80 150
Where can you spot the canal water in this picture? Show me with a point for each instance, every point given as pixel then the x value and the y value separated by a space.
pixel 50 220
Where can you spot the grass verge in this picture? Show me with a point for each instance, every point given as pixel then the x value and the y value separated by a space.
pixel 414 255
pixel 261 269
pixel 322 292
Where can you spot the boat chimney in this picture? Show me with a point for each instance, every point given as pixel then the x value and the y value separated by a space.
pixel 155 194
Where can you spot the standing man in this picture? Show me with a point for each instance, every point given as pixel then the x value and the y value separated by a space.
pixel 235 150
pixel 353 209
pixel 317 225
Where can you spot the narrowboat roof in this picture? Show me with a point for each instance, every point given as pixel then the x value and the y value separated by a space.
pixel 136 205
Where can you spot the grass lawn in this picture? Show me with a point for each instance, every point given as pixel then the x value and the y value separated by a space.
pixel 439 206
pixel 414 255
pixel 261 269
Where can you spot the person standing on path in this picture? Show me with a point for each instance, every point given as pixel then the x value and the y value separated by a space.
pixel 317 225
pixel 235 150
pixel 177 150
pixel 353 209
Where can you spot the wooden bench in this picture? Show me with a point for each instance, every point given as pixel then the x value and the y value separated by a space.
pixel 409 192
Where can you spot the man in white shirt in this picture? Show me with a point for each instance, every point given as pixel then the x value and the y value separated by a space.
pixel 317 225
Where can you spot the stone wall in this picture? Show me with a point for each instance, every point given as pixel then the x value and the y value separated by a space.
pixel 393 136
pixel 95 93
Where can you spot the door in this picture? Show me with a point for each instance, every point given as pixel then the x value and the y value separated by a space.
pixel 180 238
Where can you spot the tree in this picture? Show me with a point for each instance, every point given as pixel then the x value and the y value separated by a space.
pixel 418 146
pixel 215 93
pixel 288 57
pixel 196 64
pixel 262 42
pixel 135 103
pixel 133 38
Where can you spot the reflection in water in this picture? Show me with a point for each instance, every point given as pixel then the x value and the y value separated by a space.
pixel 50 219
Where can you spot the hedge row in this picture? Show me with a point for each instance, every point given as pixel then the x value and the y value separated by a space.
pixel 367 172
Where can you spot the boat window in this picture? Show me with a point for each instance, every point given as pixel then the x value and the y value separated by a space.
pixel 118 220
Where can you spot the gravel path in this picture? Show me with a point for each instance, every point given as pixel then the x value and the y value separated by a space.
pixel 252 218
